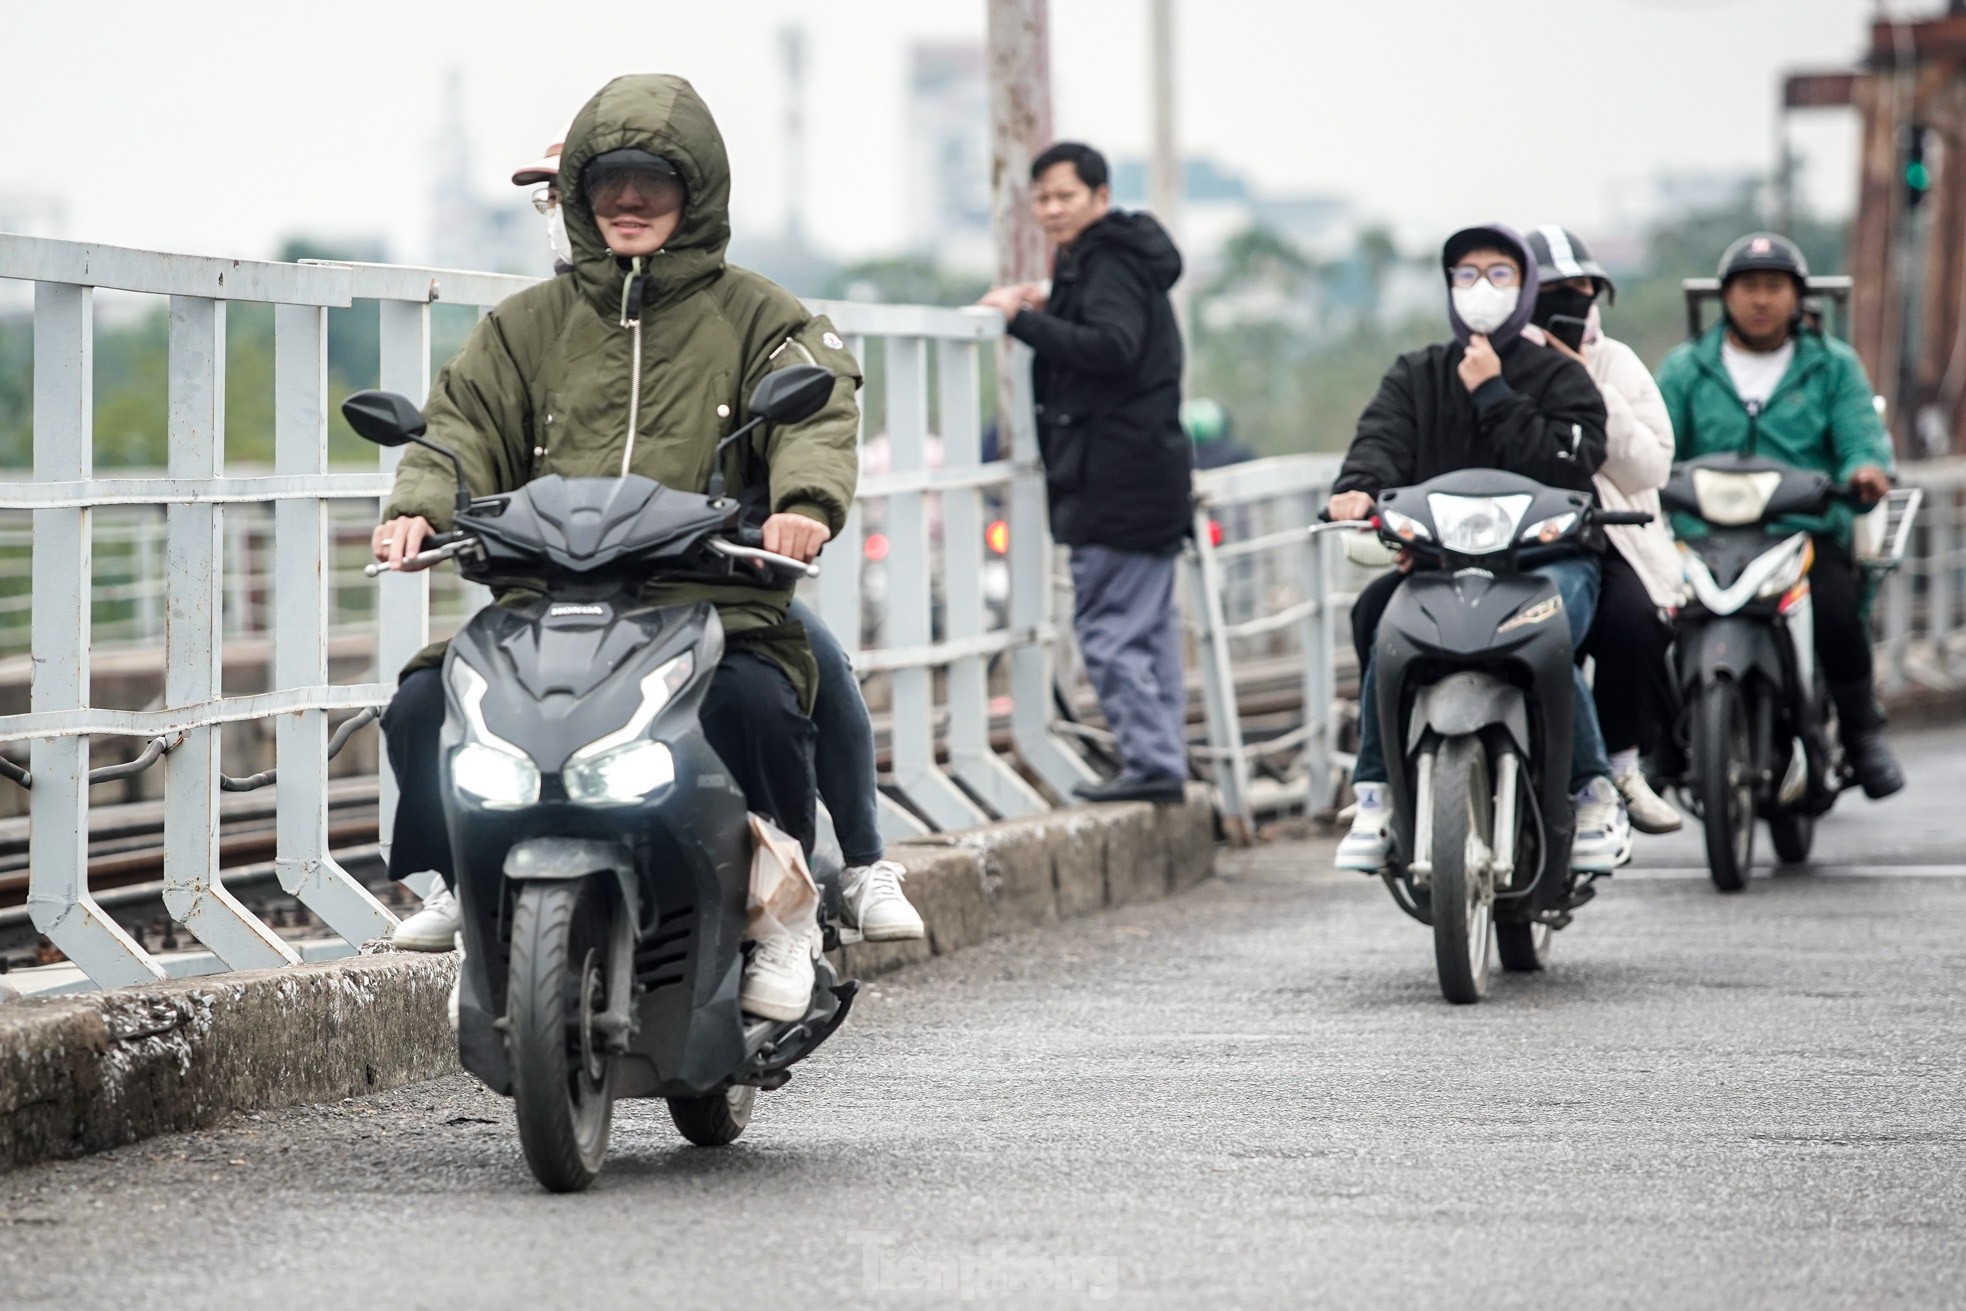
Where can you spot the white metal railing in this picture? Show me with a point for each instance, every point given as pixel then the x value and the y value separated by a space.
pixel 1268 596
pixel 945 768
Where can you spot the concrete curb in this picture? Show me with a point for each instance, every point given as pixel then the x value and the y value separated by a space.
pixel 86 1073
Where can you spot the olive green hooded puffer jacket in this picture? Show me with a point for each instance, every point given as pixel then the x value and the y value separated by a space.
pixel 544 384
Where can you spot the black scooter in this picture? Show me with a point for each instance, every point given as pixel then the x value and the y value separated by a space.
pixel 603 849
pixel 1472 668
pixel 1757 730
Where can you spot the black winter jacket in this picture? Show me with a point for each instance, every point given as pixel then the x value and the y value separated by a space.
pixel 1543 419
pixel 1107 380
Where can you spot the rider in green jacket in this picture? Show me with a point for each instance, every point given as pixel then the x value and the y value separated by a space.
pixel 1759 380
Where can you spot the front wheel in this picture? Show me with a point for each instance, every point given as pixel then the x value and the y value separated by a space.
pixel 715 1120
pixel 1463 865
pixel 556 987
pixel 1723 769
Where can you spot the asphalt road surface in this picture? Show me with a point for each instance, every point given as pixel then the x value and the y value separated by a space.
pixel 1251 1095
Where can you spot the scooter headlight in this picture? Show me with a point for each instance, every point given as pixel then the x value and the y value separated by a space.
pixel 1545 531
pixel 1403 526
pixel 624 766
pixel 499 779
pixel 1476 525
pixel 488 767
pixel 622 775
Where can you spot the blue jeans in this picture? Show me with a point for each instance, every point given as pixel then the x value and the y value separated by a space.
pixel 1576 579
pixel 843 753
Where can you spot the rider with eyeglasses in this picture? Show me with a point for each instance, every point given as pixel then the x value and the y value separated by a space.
pixel 1493 399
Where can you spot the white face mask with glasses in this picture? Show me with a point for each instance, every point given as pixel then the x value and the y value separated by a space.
pixel 1485 297
pixel 547 201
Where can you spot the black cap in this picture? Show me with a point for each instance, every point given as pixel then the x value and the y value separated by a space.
pixel 1769 251
pixel 1561 254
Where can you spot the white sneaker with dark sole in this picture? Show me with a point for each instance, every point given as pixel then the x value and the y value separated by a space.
pixel 1603 839
pixel 1364 848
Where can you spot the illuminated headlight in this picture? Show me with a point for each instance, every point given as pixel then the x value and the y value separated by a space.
pixel 625 766
pixel 622 775
pixel 498 778
pixel 1476 525
pixel 1732 499
pixel 1403 526
pixel 487 766
pixel 1548 530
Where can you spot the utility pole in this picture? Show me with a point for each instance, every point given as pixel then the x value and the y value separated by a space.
pixel 792 49
pixel 1164 169
pixel 1020 127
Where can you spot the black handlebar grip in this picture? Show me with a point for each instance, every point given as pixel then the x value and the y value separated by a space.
pixel 1631 517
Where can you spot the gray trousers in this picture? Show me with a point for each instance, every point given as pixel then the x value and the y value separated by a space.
pixel 1129 635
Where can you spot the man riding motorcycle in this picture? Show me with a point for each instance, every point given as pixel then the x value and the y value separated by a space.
pixel 1488 399
pixel 639 361
pixel 1760 380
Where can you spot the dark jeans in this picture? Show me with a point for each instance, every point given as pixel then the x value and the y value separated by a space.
pixel 1629 641
pixel 843 747
pixel 750 716
pixel 1576 579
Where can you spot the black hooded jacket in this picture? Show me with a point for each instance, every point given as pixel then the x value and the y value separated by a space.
pixel 1543 418
pixel 1108 386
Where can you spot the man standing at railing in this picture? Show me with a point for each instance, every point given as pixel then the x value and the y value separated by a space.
pixel 1117 462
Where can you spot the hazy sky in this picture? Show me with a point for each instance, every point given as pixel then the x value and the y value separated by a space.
pixel 218 127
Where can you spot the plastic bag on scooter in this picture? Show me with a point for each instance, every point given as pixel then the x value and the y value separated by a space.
pixel 784 898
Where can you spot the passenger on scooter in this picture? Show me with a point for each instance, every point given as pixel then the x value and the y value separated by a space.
pixel 639 361
pixel 1761 381
pixel 1488 399
pixel 1641 578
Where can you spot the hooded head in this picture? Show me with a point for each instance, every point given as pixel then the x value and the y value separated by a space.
pixel 664 116
pixel 1492 236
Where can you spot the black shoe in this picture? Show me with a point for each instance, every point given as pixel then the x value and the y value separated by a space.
pixel 1873 764
pixel 1132 787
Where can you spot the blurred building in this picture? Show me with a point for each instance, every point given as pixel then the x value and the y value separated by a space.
pixel 948 155
pixel 1218 205
pixel 478 220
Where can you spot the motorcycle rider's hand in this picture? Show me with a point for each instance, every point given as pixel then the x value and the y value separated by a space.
pixel 1345 506
pixel 397 540
pixel 1871 484
pixel 796 536
pixel 1479 363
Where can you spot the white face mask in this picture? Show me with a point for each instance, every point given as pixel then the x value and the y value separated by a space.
pixel 556 235
pixel 1485 307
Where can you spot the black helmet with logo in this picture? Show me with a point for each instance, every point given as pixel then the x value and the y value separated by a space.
pixel 1561 254
pixel 1769 251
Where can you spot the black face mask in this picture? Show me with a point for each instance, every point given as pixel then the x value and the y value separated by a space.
pixel 1563 300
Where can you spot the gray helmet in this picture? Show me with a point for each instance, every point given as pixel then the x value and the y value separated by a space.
pixel 1561 253
pixel 1769 251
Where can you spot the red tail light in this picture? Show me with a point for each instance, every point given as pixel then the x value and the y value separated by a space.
pixel 1214 532
pixel 876 546
pixel 997 537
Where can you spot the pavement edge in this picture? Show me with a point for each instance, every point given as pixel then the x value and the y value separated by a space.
pixel 82 1074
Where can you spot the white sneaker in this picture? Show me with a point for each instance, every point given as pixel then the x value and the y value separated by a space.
pixel 871 900
pixel 1604 831
pixel 1650 812
pixel 1364 848
pixel 778 981
pixel 435 927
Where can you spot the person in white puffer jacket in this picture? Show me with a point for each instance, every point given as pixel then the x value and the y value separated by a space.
pixel 1642 576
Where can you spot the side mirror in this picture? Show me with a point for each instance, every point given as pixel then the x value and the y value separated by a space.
pixel 384 418
pixel 387 419
pixel 789 395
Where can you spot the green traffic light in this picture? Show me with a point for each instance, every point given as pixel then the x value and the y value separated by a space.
pixel 1918 177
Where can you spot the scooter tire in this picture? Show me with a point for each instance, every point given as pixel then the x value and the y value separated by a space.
pixel 1793 836
pixel 1523 948
pixel 1463 916
pixel 714 1120
pixel 560 1086
pixel 1723 770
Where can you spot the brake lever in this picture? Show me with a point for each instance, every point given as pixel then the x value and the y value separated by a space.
pixel 422 559
pixel 784 562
